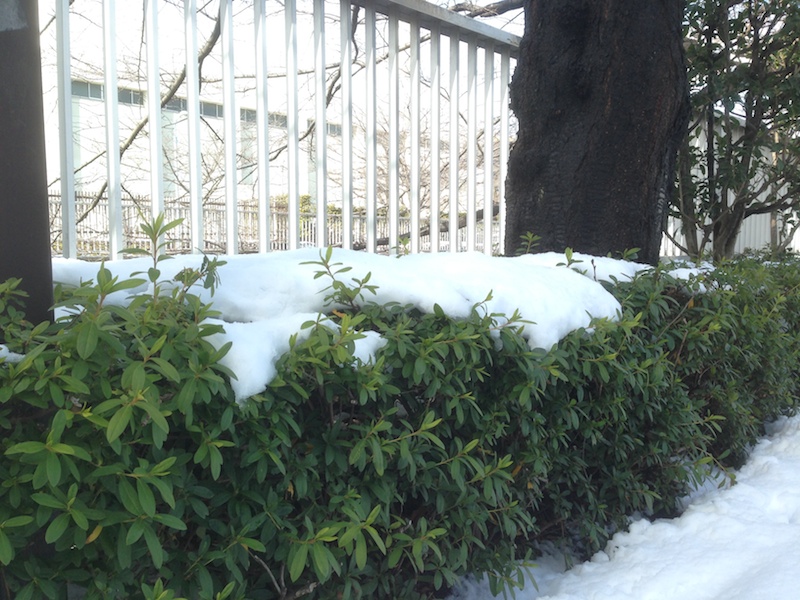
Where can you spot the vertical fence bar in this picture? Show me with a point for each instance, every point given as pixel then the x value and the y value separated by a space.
pixel 435 124
pixel 505 76
pixel 394 132
pixel 115 239
pixel 262 125
pixel 230 118
pixel 193 122
pixel 472 141
pixel 414 184
pixel 292 123
pixel 154 108
pixel 372 128
pixel 488 149
pixel 346 60
pixel 454 156
pixel 320 124
pixel 69 244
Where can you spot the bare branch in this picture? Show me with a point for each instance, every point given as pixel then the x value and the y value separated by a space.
pixel 52 19
pixel 169 95
pixel 494 9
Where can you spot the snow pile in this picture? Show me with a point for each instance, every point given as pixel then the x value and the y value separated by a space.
pixel 8 356
pixel 264 299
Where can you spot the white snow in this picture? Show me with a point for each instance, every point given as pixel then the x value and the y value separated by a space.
pixel 265 298
pixel 739 543
pixel 10 357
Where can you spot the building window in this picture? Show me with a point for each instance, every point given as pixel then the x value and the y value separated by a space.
pixel 176 105
pixel 335 129
pixel 332 129
pixel 209 109
pixel 248 115
pixel 127 96
pixel 278 120
pixel 84 89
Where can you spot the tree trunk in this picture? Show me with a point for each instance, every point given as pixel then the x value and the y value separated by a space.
pixel 687 195
pixel 24 219
pixel 601 94
pixel 726 231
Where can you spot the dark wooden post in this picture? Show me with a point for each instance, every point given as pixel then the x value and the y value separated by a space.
pixel 24 220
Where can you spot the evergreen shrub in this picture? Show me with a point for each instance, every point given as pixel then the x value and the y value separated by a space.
pixel 128 469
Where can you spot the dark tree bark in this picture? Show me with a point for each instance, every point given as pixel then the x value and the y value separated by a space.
pixel 24 220
pixel 601 94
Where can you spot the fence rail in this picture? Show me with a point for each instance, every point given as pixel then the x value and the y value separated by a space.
pixel 93 239
pixel 379 109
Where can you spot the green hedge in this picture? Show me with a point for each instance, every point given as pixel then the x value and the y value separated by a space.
pixel 128 470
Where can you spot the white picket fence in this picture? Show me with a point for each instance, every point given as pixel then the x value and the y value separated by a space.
pixel 394 112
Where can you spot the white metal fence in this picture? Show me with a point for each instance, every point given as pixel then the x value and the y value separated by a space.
pixel 392 115
pixel 93 240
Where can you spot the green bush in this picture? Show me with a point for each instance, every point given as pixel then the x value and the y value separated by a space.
pixel 745 370
pixel 128 469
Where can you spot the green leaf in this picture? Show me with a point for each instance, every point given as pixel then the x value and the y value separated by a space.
pixel 53 466
pixel 103 275
pixel 376 538
pixel 170 521
pixel 155 414
pixel 157 345
pixel 27 593
pixel 252 544
pixel 357 453
pixel 57 528
pixel 164 466
pixel 76 451
pixel 297 561
pixel 378 460
pixel 47 500
pixel 226 591
pixel 16 522
pixel 80 519
pixel 73 384
pixel 123 550
pixel 187 395
pixel 134 533
pixel 166 369
pixel 146 498
pixel 127 284
pixel 394 557
pixel 129 497
pixel 59 422
pixel 165 488
pixel 26 448
pixel 205 582
pixel 373 514
pixel 87 339
pixel 154 546
pixel 118 423
pixel 216 461
pixel 6 550
pixel 361 550
pixel 319 556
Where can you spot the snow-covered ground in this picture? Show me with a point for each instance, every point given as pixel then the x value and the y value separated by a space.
pixel 739 543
